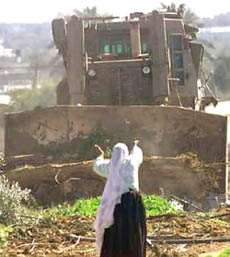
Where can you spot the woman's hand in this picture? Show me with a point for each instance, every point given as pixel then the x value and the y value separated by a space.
pixel 99 149
pixel 136 142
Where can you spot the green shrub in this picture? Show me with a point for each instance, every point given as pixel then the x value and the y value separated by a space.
pixel 86 207
pixel 154 205
pixel 225 253
pixel 28 99
pixel 2 160
pixel 12 211
pixel 4 233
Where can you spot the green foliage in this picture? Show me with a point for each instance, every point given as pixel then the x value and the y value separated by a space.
pixel 108 153
pixel 90 12
pixel 4 233
pixel 83 146
pixel 35 36
pixel 87 12
pixel 154 205
pixel 172 6
pixel 2 160
pixel 191 17
pixel 99 137
pixel 85 207
pixel 12 211
pixel 23 100
pixel 220 20
pixel 221 74
pixel 225 253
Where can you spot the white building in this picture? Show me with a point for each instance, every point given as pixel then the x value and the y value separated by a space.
pixel 6 52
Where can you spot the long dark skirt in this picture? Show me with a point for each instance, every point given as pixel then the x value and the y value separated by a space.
pixel 127 236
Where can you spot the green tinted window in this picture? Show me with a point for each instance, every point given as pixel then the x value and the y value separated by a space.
pixel 180 75
pixel 177 42
pixel 178 60
pixel 106 49
pixel 127 48
pixel 144 47
pixel 113 49
pixel 117 47
pixel 176 50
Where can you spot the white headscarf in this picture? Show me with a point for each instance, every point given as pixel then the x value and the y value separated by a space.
pixel 114 188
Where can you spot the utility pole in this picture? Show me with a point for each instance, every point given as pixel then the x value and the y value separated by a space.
pixel 35 80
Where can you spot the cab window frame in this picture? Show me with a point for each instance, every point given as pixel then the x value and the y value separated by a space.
pixel 177 57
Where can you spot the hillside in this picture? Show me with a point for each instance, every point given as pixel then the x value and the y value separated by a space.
pixel 27 37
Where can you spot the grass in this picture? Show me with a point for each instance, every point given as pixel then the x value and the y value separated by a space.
pixel 224 253
pixel 154 205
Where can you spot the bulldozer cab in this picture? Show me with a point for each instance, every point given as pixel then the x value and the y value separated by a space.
pixel 146 59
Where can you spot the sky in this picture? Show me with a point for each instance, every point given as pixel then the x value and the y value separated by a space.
pixel 221 108
pixel 35 11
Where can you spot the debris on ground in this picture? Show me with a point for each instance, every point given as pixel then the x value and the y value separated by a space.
pixel 74 236
pixel 184 176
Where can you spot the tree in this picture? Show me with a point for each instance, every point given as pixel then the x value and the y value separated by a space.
pixel 87 12
pixel 171 7
pixel 188 15
pixel 191 17
pixel 221 74
pixel 218 20
pixel 90 12
pixel 26 99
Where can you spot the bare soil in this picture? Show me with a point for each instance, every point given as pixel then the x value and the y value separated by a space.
pixel 69 236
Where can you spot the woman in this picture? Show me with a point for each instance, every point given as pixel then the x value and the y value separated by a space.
pixel 120 223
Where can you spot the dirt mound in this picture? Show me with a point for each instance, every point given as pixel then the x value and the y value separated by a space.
pixel 57 183
pixel 184 176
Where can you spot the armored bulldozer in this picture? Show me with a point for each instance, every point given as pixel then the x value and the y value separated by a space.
pixel 145 59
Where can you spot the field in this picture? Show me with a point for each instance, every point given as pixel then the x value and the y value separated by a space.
pixel 67 230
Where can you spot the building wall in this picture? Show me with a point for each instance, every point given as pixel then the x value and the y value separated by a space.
pixel 165 131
